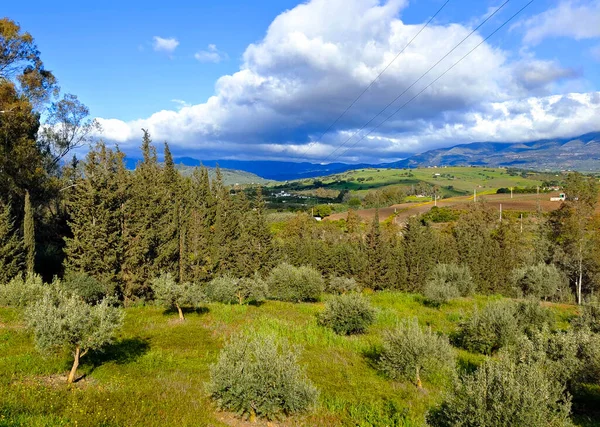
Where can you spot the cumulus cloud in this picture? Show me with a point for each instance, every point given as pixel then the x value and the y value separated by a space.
pixel 308 68
pixel 211 54
pixel 570 18
pixel 167 45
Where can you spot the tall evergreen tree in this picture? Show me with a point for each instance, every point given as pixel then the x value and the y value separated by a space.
pixel 143 212
pixel 168 226
pixel 94 204
pixel 29 235
pixel 226 227
pixel 255 246
pixel 419 252
pixel 375 251
pixel 11 246
pixel 200 221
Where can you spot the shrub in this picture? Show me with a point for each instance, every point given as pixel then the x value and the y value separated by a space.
pixel 172 294
pixel 588 318
pixel 490 328
pixel 342 285
pixel 504 393
pixel 448 281
pixel 438 292
pixel 21 292
pixel 229 290
pixel 540 281
pixel 84 286
pixel 531 316
pixel 409 351
pixel 347 314
pixel 295 284
pixel 258 376
pixel 62 320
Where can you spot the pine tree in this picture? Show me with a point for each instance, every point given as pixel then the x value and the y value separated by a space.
pixel 95 205
pixel 11 246
pixel 29 235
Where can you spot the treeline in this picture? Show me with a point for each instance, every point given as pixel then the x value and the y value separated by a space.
pixel 128 228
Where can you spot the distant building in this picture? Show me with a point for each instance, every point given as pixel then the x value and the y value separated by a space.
pixel 561 198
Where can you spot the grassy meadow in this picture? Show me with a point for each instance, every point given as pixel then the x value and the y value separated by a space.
pixel 155 373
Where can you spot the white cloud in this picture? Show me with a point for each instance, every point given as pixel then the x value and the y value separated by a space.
pixel 308 68
pixel 212 54
pixel 167 45
pixel 570 18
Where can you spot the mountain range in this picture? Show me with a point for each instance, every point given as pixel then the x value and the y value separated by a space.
pixel 577 153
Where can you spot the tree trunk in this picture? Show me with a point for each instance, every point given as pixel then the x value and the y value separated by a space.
pixel 180 311
pixel 579 282
pixel 419 384
pixel 71 377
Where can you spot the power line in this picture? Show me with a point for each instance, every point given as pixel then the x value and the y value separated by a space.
pixel 416 81
pixel 439 77
pixel 375 79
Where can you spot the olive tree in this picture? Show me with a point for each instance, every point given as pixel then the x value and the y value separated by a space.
pixel 504 392
pixel 61 320
pixel 448 281
pixel 408 350
pixel 172 294
pixel 259 376
pixel 541 280
pixel 231 290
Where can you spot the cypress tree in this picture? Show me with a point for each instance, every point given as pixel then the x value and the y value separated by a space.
pixel 168 226
pixel 29 235
pixel 419 253
pixel 198 260
pixel 143 214
pixel 11 246
pixel 375 252
pixel 95 205
pixel 255 243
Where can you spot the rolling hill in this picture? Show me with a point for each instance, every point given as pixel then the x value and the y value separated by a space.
pixel 579 153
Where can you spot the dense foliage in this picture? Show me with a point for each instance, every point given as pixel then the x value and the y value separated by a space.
pixel 259 376
pixel 347 314
pixel 295 284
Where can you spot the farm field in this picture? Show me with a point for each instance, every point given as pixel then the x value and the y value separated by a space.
pixel 155 373
pixel 519 203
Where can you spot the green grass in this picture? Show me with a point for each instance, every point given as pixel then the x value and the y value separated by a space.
pixel 462 179
pixel 155 373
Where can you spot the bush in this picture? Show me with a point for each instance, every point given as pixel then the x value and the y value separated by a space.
pixel 588 318
pixel 258 376
pixel 491 328
pixel 531 316
pixel 409 351
pixel 540 281
pixel 21 292
pixel 347 314
pixel 172 294
pixel 295 284
pixel 84 286
pixel 504 393
pixel 448 281
pixel 438 292
pixel 229 290
pixel 342 285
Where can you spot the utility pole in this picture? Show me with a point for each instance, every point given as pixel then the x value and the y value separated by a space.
pixel 511 190
pixel 500 212
pixel 521 222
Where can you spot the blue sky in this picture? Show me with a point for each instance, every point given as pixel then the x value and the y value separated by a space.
pixel 265 79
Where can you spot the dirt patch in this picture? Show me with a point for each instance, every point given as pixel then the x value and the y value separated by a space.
pixel 56 381
pixel 235 421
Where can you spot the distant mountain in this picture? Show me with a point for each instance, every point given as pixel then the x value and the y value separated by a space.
pixel 268 169
pixel 578 153
pixel 230 176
